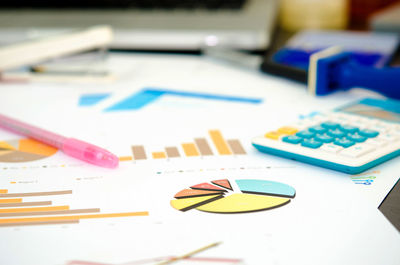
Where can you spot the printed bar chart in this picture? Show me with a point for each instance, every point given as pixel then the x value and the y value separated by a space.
pixel 15 212
pixel 200 146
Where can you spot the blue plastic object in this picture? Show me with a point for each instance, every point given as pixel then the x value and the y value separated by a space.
pixel 340 72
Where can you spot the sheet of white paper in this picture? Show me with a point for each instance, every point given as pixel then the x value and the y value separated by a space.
pixel 324 222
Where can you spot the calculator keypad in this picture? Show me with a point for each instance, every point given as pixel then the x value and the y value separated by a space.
pixel 342 134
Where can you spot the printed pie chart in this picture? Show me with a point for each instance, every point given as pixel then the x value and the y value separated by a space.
pixel 24 150
pixel 219 196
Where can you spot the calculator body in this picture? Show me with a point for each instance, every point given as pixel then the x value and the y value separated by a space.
pixel 350 139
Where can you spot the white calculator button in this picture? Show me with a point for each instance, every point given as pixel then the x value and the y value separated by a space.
pixel 357 150
pixel 388 137
pixel 331 148
pixel 377 142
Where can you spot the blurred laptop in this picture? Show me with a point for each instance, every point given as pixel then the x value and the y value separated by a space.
pixel 148 24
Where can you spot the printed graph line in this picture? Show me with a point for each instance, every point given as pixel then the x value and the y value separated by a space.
pixel 149 95
pixel 205 260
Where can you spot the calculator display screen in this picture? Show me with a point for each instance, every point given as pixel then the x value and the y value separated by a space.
pixel 375 109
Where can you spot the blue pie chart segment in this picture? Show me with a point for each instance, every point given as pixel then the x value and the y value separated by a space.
pixel 265 187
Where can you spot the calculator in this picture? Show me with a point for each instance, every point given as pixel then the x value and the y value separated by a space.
pixel 350 139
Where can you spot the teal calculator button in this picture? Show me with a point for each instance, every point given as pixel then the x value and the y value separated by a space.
pixel 311 143
pixel 330 125
pixel 292 139
pixel 368 133
pixel 348 128
pixel 356 137
pixel 336 133
pixel 317 129
pixel 344 142
pixel 305 134
pixel 324 138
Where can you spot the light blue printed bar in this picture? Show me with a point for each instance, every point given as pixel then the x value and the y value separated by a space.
pixel 87 100
pixel 149 95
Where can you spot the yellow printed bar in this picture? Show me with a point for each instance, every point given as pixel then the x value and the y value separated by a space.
pixel 220 142
pixel 3 191
pixel 10 200
pixel 71 217
pixel 125 158
pixel 35 209
pixel 159 155
pixel 190 149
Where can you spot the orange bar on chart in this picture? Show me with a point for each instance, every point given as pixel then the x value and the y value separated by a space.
pixel 35 209
pixel 190 149
pixel 42 223
pixel 125 158
pixel 3 191
pixel 219 142
pixel 159 155
pixel 71 217
pixel 10 200
pixel 35 147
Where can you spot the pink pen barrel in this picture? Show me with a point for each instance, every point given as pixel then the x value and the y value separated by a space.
pixel 31 131
pixel 90 153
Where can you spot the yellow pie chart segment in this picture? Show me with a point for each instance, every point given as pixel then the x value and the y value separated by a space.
pixel 241 202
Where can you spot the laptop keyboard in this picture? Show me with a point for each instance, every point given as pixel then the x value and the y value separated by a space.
pixel 134 4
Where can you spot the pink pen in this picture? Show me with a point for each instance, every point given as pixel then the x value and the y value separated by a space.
pixel 70 146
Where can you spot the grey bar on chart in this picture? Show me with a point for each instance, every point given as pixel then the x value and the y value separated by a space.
pixel 203 147
pixel 236 147
pixel 29 194
pixel 22 204
pixel 138 152
pixel 172 151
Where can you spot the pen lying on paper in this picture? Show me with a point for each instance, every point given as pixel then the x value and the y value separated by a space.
pixel 70 146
